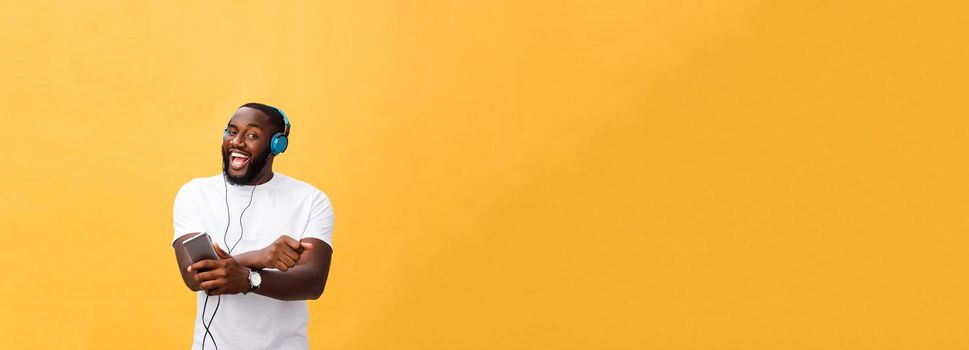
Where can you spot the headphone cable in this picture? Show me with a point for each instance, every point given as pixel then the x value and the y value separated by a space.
pixel 208 332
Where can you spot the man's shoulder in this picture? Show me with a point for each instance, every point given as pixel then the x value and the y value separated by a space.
pixel 204 181
pixel 194 189
pixel 293 184
pixel 296 186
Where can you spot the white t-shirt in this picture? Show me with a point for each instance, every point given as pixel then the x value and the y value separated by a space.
pixel 282 206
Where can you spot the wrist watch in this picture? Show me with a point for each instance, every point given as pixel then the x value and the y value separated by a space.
pixel 255 279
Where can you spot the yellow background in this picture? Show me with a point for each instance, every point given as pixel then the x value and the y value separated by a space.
pixel 506 174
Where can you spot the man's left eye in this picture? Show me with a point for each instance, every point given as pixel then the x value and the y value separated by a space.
pixel 252 136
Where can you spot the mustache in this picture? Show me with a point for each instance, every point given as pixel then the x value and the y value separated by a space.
pixel 256 164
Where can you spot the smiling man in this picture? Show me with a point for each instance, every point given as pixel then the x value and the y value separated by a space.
pixel 272 233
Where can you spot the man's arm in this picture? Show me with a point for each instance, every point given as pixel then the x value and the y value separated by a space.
pixel 183 262
pixel 305 281
pixel 303 270
pixel 282 254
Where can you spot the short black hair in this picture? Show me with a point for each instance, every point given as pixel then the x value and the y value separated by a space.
pixel 274 114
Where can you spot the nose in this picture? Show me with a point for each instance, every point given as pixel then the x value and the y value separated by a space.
pixel 237 141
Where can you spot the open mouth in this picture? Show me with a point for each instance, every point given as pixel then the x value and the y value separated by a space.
pixel 238 160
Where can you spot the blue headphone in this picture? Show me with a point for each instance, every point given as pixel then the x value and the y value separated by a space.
pixel 280 140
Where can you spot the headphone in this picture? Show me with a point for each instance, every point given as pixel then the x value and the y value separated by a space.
pixel 280 140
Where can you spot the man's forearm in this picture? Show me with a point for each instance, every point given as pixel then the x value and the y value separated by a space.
pixel 248 259
pixel 183 262
pixel 305 281
pixel 302 282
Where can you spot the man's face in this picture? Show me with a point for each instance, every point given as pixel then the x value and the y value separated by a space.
pixel 245 147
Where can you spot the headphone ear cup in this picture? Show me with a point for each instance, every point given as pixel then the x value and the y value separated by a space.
pixel 225 132
pixel 278 144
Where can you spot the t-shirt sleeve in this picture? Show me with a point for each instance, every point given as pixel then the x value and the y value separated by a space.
pixel 185 214
pixel 320 223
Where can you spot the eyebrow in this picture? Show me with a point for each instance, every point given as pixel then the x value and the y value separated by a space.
pixel 250 124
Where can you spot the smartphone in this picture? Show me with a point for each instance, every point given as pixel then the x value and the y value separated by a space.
pixel 199 248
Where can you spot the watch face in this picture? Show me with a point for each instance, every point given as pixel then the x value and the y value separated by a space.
pixel 255 278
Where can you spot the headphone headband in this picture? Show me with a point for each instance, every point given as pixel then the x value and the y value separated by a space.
pixel 285 121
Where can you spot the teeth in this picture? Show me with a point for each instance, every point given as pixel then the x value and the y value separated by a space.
pixel 240 155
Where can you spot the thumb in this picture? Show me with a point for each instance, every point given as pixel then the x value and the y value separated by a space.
pixel 306 245
pixel 218 250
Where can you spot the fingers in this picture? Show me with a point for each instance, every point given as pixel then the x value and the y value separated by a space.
pixel 209 275
pixel 214 286
pixel 289 262
pixel 290 253
pixel 284 252
pixel 203 265
pixel 281 266
pixel 285 258
pixel 286 246
pixel 289 241
pixel 280 251
pixel 218 250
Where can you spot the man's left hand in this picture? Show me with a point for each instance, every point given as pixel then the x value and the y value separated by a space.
pixel 222 276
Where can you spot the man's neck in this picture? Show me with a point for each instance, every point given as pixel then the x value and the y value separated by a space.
pixel 267 174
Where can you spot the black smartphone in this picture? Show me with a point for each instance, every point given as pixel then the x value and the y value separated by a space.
pixel 200 248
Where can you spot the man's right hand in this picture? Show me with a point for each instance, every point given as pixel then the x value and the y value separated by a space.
pixel 282 254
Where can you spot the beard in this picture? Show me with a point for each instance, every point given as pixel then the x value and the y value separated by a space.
pixel 256 164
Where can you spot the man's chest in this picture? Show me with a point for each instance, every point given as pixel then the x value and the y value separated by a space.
pixel 242 226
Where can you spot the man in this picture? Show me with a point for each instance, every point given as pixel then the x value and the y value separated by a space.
pixel 272 233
